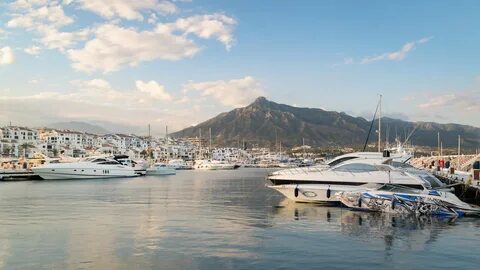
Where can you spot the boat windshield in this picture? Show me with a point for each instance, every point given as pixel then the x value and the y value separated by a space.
pixel 397 164
pixel 98 160
pixel 356 167
pixel 339 160
pixel 434 182
pixel 109 162
pixel 399 189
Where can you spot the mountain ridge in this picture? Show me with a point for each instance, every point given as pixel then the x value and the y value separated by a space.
pixel 264 122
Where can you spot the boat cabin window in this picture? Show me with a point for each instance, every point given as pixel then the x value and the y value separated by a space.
pixel 110 162
pixel 383 167
pixel 97 160
pixel 434 182
pixel 397 164
pixel 400 189
pixel 356 167
pixel 340 160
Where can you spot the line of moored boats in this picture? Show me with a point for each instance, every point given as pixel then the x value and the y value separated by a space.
pixel 121 166
pixel 372 181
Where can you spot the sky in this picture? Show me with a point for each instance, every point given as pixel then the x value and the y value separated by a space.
pixel 178 63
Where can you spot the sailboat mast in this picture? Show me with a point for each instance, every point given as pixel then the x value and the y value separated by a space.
pixel 380 125
pixel 458 157
pixel 167 142
pixel 210 142
pixel 200 143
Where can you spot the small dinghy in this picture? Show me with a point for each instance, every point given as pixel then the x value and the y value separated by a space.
pixel 403 200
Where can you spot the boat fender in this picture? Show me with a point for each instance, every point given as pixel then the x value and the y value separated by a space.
pixel 360 202
pixel 296 191
pixel 329 192
pixel 393 204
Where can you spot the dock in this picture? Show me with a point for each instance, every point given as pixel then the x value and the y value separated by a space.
pixel 465 181
pixel 18 175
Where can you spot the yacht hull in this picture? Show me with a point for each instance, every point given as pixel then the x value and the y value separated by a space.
pixel 169 171
pixel 441 204
pixel 71 172
pixel 313 193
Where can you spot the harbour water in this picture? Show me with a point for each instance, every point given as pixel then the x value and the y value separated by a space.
pixel 212 220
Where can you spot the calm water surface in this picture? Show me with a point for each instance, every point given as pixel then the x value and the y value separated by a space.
pixel 212 220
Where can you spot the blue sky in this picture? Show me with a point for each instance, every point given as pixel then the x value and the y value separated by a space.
pixel 181 62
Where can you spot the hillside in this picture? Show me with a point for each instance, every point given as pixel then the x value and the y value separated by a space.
pixel 79 126
pixel 263 122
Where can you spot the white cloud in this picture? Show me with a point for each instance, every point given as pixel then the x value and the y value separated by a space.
pixel 154 90
pixel 396 55
pixel 7 56
pixel 215 25
pixel 97 99
pixel 115 46
pixel 461 101
pixel 34 50
pixel 438 101
pixel 31 18
pixel 52 38
pixel 26 4
pixel 127 9
pixel 234 93
pixel 45 18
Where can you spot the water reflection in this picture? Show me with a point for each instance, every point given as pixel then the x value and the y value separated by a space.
pixel 197 220
pixel 411 232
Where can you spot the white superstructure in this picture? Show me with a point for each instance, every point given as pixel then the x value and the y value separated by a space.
pixel 323 184
pixel 214 165
pixel 87 169
pixel 160 169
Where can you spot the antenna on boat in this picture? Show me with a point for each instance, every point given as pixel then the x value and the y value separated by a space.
pixel 410 134
pixel 371 126
pixel 380 124
pixel 210 142
pixel 458 158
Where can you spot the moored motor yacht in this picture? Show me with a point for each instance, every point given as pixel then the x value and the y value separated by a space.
pixel 86 169
pixel 214 165
pixel 160 169
pixel 403 200
pixel 179 164
pixel 138 166
pixel 323 185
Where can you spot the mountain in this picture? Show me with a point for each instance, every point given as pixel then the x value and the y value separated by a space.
pixel 79 126
pixel 263 122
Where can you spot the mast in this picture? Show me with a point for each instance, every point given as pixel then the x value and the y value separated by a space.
pixel 438 138
pixel 200 142
pixel 210 142
pixel 380 125
pixel 167 142
pixel 458 158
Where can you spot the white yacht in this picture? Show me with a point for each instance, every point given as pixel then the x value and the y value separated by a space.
pixel 140 166
pixel 179 164
pixel 161 169
pixel 400 156
pixel 214 165
pixel 86 169
pixel 402 200
pixel 323 185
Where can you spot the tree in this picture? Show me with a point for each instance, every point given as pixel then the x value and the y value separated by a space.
pixel 6 150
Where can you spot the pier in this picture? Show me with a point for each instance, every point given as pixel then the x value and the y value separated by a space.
pixel 462 172
pixel 18 175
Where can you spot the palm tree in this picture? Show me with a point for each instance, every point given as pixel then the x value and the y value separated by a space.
pixel 24 147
